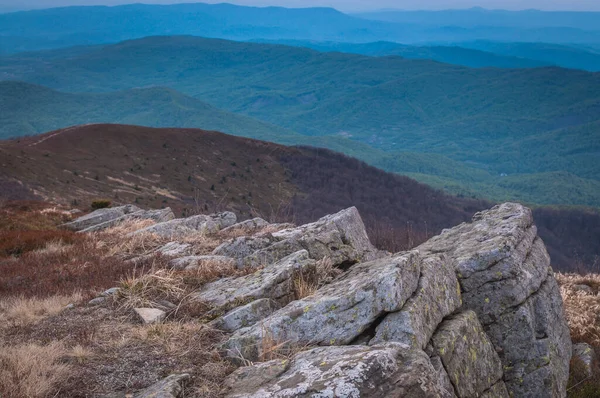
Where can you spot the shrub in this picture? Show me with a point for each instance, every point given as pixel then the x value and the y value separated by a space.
pixel 101 204
pixel 17 243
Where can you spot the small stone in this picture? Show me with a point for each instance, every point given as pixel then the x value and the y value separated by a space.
pixel 97 301
pixel 586 354
pixel 110 292
pixel 150 315
pixel 70 306
pixel 583 288
pixel 170 387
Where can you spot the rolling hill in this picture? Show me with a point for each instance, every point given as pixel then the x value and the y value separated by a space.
pixel 494 122
pixel 477 54
pixel 190 169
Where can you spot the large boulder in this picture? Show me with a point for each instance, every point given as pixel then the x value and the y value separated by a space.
pixel 342 237
pixel 506 279
pixel 100 216
pixel 339 312
pixel 185 226
pixel 387 370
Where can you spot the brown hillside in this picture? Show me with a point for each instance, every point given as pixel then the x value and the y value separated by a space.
pixel 194 170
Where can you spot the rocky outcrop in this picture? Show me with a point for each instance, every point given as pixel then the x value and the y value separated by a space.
pixel 247 226
pixel 473 312
pixel 342 237
pixel 185 226
pixel 190 263
pixel 339 312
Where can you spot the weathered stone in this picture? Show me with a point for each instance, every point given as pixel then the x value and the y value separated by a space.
pixel 190 263
pixel 498 390
pixel 467 354
pixel 185 226
pixel 274 282
pixel 97 301
pixel 339 312
pixel 442 376
pixel 387 370
pixel 175 249
pixel 437 296
pixel 100 216
pixel 534 344
pixel 341 237
pixel 586 354
pixel 583 288
pixel 246 226
pixel 165 305
pixel 170 387
pixel 245 316
pixel 150 315
pixel 161 215
pixel 110 292
pixel 505 276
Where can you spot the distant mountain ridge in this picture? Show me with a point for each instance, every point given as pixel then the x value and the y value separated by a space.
pixel 85 25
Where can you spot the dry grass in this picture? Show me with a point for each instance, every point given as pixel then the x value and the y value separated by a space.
pixel 581 308
pixel 311 279
pixel 22 311
pixel 32 370
pixel 147 289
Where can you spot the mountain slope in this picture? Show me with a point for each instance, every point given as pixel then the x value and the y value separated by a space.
pixel 31 109
pixel 455 55
pixel 193 169
pixel 516 122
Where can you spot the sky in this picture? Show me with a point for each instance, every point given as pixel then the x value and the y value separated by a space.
pixel 344 5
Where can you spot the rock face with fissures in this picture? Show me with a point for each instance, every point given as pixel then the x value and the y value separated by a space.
pixel 473 312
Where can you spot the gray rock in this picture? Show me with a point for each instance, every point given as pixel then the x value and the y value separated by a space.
pixel 467 354
pixel 190 263
pixel 437 296
pixel 110 292
pixel 583 288
pixel 586 354
pixel 505 276
pixel 100 216
pixel 247 226
pixel 498 390
pixel 442 376
pixel 387 370
pixel 150 315
pixel 184 226
pixel 170 387
pixel 175 249
pixel 245 316
pixel 273 282
pixel 341 237
pixel 161 215
pixel 337 313
pixel 70 306
pixel 97 301
pixel 165 305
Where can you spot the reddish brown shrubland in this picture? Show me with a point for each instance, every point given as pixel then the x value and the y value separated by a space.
pixel 16 243
pixel 31 216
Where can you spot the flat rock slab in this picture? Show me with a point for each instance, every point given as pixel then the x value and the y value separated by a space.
pixel 170 387
pixel 467 355
pixel 184 226
pixel 274 282
pixel 100 216
pixel 150 315
pixel 161 215
pixel 387 370
pixel 246 226
pixel 339 312
pixel 246 315
pixel 190 263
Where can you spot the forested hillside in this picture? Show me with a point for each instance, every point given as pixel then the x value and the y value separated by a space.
pixel 505 130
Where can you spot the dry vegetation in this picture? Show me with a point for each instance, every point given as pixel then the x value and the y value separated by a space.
pixel 50 350
pixel 581 296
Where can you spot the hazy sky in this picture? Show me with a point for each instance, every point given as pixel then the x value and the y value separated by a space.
pixel 345 5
